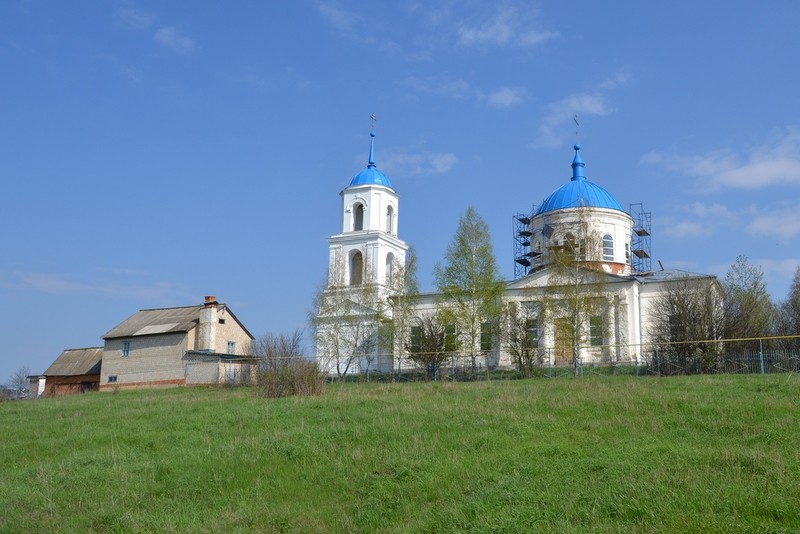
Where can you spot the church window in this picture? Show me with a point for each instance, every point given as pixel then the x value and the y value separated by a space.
pixel 596 330
pixel 415 341
pixel 356 269
pixel 627 253
pixel 389 268
pixel 390 220
pixel 486 337
pixel 358 214
pixel 608 248
pixel 532 333
pixel 569 241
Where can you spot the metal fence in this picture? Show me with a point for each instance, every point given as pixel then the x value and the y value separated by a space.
pixel 739 356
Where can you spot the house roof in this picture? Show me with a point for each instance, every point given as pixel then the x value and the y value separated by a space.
pixel 164 321
pixel 157 321
pixel 74 362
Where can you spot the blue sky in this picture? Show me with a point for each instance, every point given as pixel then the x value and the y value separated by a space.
pixel 155 152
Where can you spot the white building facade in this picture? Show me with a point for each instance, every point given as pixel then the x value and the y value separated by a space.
pixel 581 297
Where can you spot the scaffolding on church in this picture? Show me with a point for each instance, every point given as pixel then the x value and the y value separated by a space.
pixel 640 239
pixel 525 258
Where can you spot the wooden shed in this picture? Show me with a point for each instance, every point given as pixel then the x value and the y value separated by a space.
pixel 74 371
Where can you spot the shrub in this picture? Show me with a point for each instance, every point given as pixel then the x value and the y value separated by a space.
pixel 294 376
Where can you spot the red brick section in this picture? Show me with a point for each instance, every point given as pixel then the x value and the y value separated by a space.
pixel 150 384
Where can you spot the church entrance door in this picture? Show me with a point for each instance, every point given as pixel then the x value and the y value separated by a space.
pixel 564 341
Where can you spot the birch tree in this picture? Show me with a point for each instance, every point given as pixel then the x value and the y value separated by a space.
pixel 749 311
pixel 346 321
pixel 469 284
pixel 575 297
pixel 789 319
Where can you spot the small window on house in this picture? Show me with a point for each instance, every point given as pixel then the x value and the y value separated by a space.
pixel 112 379
pixel 486 337
pixel 596 331
pixel 221 321
pixel 358 214
pixel 231 347
pixel 608 248
pixel 356 269
pixel 126 349
pixel 390 220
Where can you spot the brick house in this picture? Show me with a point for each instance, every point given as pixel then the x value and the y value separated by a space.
pixel 201 344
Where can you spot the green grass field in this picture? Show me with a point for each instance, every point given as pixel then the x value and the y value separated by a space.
pixel 614 454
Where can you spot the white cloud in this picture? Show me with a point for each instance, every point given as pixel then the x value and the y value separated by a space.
pixel 559 116
pixel 442 85
pixel 506 97
pixel 776 162
pixel 55 284
pixel 340 19
pixel 783 224
pixel 553 127
pixel 48 283
pixel 419 163
pixel 783 267
pixel 135 18
pixel 698 219
pixel 505 27
pixel 685 229
pixel 169 37
pixel 533 38
pixel 497 30
pixel 618 80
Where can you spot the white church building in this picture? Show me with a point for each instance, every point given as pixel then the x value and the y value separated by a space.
pixel 583 291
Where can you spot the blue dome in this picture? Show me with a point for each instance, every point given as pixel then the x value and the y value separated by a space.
pixel 371 175
pixel 578 192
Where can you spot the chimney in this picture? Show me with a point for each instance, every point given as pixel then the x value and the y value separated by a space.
pixel 207 330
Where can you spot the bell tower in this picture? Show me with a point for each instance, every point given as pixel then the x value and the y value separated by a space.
pixel 367 249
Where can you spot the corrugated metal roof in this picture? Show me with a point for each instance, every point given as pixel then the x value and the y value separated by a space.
pixel 668 274
pixel 157 321
pixel 73 362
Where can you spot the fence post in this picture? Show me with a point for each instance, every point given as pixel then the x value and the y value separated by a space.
pixel 658 364
pixel 761 355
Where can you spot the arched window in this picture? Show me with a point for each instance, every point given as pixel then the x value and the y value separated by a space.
pixel 356 269
pixel 390 220
pixel 608 248
pixel 389 268
pixel 358 217
pixel 571 245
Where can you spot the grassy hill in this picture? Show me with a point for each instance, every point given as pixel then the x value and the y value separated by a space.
pixel 617 454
